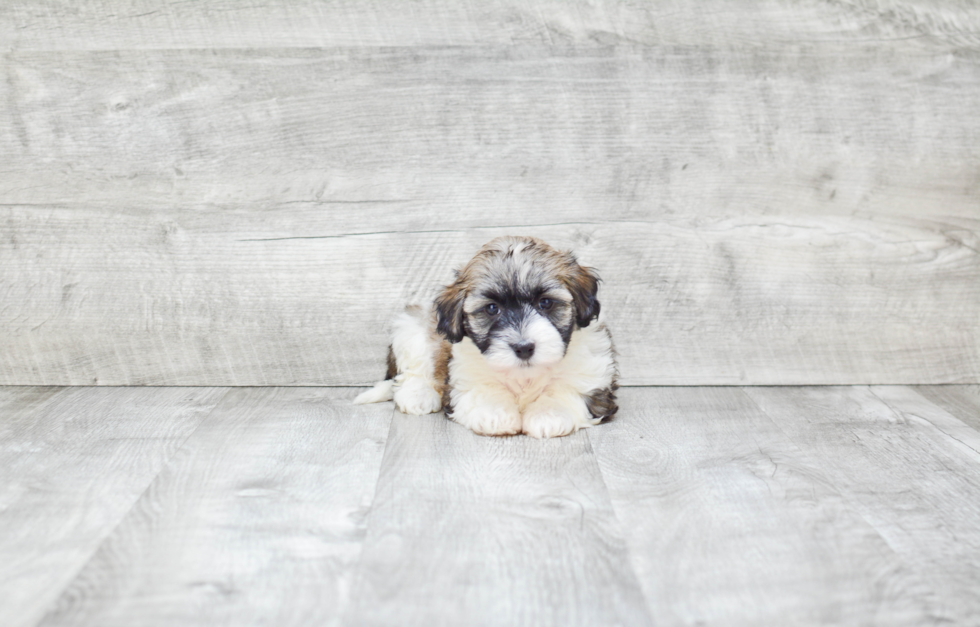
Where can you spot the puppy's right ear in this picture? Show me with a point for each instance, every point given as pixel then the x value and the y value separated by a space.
pixel 583 283
pixel 449 309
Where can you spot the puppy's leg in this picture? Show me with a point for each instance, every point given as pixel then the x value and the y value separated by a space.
pixel 488 410
pixel 559 410
pixel 415 389
pixel 478 400
pixel 381 391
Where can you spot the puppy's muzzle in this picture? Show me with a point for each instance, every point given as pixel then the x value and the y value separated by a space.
pixel 524 350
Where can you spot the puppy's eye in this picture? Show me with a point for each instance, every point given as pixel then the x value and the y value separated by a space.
pixel 545 304
pixel 492 309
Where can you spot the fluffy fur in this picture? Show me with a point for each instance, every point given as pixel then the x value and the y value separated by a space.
pixel 510 347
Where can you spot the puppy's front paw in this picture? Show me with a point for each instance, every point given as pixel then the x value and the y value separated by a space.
pixel 550 423
pixel 490 420
pixel 552 418
pixel 416 397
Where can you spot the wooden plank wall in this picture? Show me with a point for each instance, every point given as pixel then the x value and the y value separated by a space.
pixel 223 193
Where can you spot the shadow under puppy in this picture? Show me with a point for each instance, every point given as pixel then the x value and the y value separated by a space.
pixel 510 347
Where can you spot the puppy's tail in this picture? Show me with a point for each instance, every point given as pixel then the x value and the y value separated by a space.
pixel 383 391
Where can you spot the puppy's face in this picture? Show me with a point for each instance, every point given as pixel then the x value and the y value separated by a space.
pixel 519 300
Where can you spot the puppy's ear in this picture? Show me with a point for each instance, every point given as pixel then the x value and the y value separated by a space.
pixel 583 283
pixel 449 309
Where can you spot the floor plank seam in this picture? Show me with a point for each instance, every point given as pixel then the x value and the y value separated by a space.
pixel 122 519
pixel 619 522
pixel 357 570
pixel 855 504
pixel 938 427
pixel 852 504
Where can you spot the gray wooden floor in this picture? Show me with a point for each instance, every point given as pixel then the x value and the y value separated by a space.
pixel 281 506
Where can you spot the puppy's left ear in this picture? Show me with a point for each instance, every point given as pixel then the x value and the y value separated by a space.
pixel 449 309
pixel 583 283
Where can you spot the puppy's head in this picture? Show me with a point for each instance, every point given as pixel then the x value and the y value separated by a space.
pixel 519 300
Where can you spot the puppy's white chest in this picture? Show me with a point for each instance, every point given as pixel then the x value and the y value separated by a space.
pixel 469 370
pixel 526 389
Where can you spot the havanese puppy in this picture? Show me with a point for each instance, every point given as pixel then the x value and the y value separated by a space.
pixel 512 346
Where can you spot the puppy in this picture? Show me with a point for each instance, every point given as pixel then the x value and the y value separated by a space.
pixel 512 346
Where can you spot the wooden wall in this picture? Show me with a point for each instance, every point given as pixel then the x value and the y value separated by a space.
pixel 222 193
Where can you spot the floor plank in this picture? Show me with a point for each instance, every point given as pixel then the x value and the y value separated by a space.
pixel 471 530
pixel 23 401
pixel 285 506
pixel 73 462
pixel 729 524
pixel 258 519
pixel 962 401
pixel 914 483
pixel 914 407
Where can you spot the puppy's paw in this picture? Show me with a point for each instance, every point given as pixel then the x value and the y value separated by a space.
pixel 550 418
pixel 416 397
pixel 548 424
pixel 490 420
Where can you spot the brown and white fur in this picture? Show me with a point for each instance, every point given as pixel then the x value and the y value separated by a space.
pixel 510 347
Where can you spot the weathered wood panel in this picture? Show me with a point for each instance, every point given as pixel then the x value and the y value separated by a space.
pixel 733 301
pixel 137 24
pixel 73 463
pixel 258 520
pixel 772 213
pixel 729 522
pixel 914 482
pixel 474 530
pixel 494 134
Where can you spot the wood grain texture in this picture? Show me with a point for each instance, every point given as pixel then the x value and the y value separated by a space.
pixel 918 486
pixel 729 522
pixel 756 263
pixel 962 401
pixel 915 407
pixel 713 506
pixel 784 193
pixel 139 24
pixel 730 301
pixel 73 463
pixel 16 400
pixel 423 136
pixel 257 521
pixel 473 530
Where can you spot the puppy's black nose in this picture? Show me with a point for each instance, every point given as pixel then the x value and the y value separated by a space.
pixel 524 350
